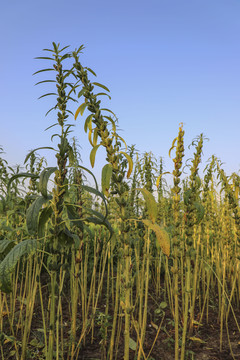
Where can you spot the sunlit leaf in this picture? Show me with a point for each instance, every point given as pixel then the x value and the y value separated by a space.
pixel 151 204
pixel 106 178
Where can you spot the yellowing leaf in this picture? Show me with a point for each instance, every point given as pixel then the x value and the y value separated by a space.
pixel 161 235
pixel 93 154
pixel 130 163
pixel 151 204
pixel 193 338
pixel 172 147
pixel 80 110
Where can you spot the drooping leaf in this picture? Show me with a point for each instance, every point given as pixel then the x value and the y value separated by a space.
pixel 99 221
pixel 88 123
pixel 97 193
pixel 95 136
pixel 161 236
pixel 7 266
pixel 80 110
pixel 81 92
pixel 93 154
pixel 73 216
pixel 112 122
pixel 151 204
pixel 6 245
pixel 103 94
pixel 25 175
pixel 39 148
pixel 90 172
pixel 160 176
pixel 44 216
pixel 43 180
pixel 33 213
pixel 90 70
pixel 130 163
pixel 102 86
pixel 172 147
pixel 106 178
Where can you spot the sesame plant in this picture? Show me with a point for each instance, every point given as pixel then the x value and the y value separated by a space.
pixel 134 271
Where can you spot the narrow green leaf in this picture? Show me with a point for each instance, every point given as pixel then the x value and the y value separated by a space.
pixel 151 204
pixel 40 97
pixel 25 175
pixel 44 58
pixel 90 70
pixel 102 86
pixel 43 180
pixel 103 94
pixel 40 148
pixel 106 178
pixel 109 111
pixel 97 193
pixel 45 81
pixel 39 71
pixel 112 122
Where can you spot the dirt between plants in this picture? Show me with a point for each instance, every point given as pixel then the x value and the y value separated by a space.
pixel 205 343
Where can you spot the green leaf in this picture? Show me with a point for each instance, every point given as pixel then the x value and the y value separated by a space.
pixel 45 81
pixel 112 122
pixel 6 245
pixel 106 178
pixel 71 156
pixel 109 111
pixel 40 97
pixel 130 163
pixel 90 70
pixel 81 92
pixel 40 148
pixel 80 110
pixel 95 136
pixel 161 235
pixel 93 154
pixel 16 176
pixel 103 94
pixel 43 219
pixel 43 180
pixel 7 266
pixel 200 211
pixel 151 204
pixel 102 86
pixel 37 72
pixel 132 344
pixel 97 193
pixel 33 213
pixel 88 123
pixel 73 216
pixel 90 172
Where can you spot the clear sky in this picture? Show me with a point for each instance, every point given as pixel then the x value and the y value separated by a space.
pixel 165 62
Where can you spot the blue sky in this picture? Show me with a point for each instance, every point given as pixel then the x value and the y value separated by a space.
pixel 164 61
